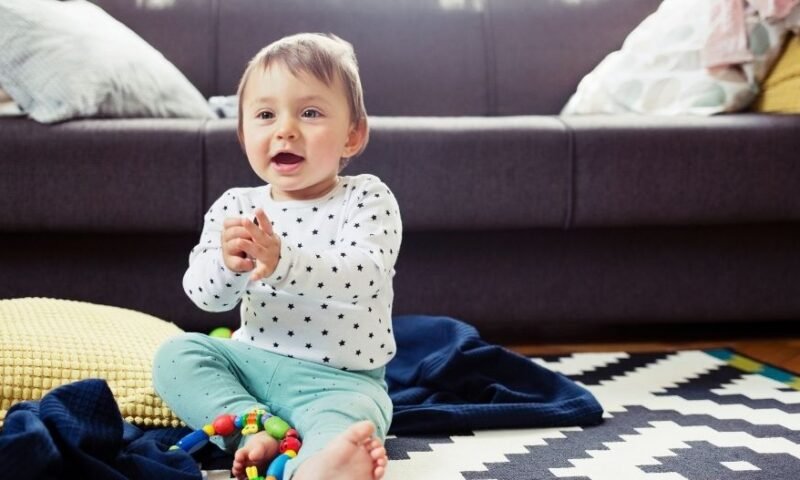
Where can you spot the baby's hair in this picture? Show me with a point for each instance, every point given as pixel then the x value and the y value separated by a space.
pixel 325 56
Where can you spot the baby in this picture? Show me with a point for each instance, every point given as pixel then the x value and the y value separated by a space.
pixel 310 256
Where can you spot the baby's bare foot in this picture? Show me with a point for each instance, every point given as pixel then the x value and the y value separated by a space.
pixel 353 455
pixel 258 450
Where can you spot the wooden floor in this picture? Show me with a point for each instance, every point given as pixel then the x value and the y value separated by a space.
pixel 783 353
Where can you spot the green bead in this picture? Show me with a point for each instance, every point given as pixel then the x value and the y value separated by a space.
pixel 276 427
pixel 220 332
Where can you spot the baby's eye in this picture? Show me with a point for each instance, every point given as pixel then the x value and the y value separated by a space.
pixel 265 115
pixel 311 113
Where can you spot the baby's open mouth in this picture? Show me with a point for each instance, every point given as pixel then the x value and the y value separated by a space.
pixel 286 158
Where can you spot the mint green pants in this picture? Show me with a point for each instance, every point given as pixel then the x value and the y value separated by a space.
pixel 201 377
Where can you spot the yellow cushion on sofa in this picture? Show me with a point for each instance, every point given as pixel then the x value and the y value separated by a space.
pixel 780 92
pixel 46 342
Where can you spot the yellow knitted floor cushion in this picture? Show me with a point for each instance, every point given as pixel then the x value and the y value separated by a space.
pixel 45 343
pixel 780 91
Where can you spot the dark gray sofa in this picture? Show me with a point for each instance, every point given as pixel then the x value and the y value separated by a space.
pixel 528 225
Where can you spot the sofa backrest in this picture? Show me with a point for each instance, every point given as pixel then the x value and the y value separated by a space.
pixel 417 57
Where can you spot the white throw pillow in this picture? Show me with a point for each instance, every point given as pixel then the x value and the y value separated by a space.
pixel 70 59
pixel 659 70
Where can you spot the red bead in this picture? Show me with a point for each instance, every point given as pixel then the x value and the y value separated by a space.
pixel 290 443
pixel 292 433
pixel 224 425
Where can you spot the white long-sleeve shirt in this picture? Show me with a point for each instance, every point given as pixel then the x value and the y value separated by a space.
pixel 329 299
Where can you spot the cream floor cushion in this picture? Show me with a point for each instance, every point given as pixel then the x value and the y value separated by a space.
pixel 47 342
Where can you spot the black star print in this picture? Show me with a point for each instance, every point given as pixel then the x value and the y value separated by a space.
pixel 308 345
pixel 307 319
pixel 274 319
pixel 326 359
pixel 314 232
pixel 355 326
pixel 360 268
pixel 308 269
pixel 324 306
pixel 335 270
pixel 314 209
pixel 342 343
pixel 291 333
pixel 291 306
pixel 330 217
pixel 324 333
pixel 341 316
pixel 261 330
pixel 358 352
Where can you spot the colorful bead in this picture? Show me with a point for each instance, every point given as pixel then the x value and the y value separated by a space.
pixel 209 429
pixel 277 466
pixel 289 443
pixel 276 427
pixel 292 433
pixel 193 442
pixel 252 421
pixel 224 425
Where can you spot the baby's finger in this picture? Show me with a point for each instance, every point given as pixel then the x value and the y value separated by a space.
pixel 232 222
pixel 263 222
pixel 254 231
pixel 258 272
pixel 235 232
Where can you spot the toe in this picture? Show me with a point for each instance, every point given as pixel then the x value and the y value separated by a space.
pixel 359 432
pixel 377 453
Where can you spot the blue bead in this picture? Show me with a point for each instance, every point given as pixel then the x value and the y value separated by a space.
pixel 193 442
pixel 277 466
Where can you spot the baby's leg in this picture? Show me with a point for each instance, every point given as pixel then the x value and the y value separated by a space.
pixel 200 378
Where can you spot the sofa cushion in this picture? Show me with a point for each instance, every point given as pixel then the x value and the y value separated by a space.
pixel 45 343
pixel 463 173
pixel 64 60
pixel 639 170
pixel 120 175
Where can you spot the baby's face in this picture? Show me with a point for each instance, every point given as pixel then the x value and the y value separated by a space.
pixel 295 130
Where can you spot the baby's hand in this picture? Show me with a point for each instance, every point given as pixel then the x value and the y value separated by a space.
pixel 234 238
pixel 264 246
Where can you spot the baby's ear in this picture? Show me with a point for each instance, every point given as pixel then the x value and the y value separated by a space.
pixel 356 139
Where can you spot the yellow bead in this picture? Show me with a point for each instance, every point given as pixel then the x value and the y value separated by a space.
pixel 290 453
pixel 209 429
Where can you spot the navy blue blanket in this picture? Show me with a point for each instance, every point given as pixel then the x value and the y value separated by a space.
pixel 445 378
pixel 77 431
